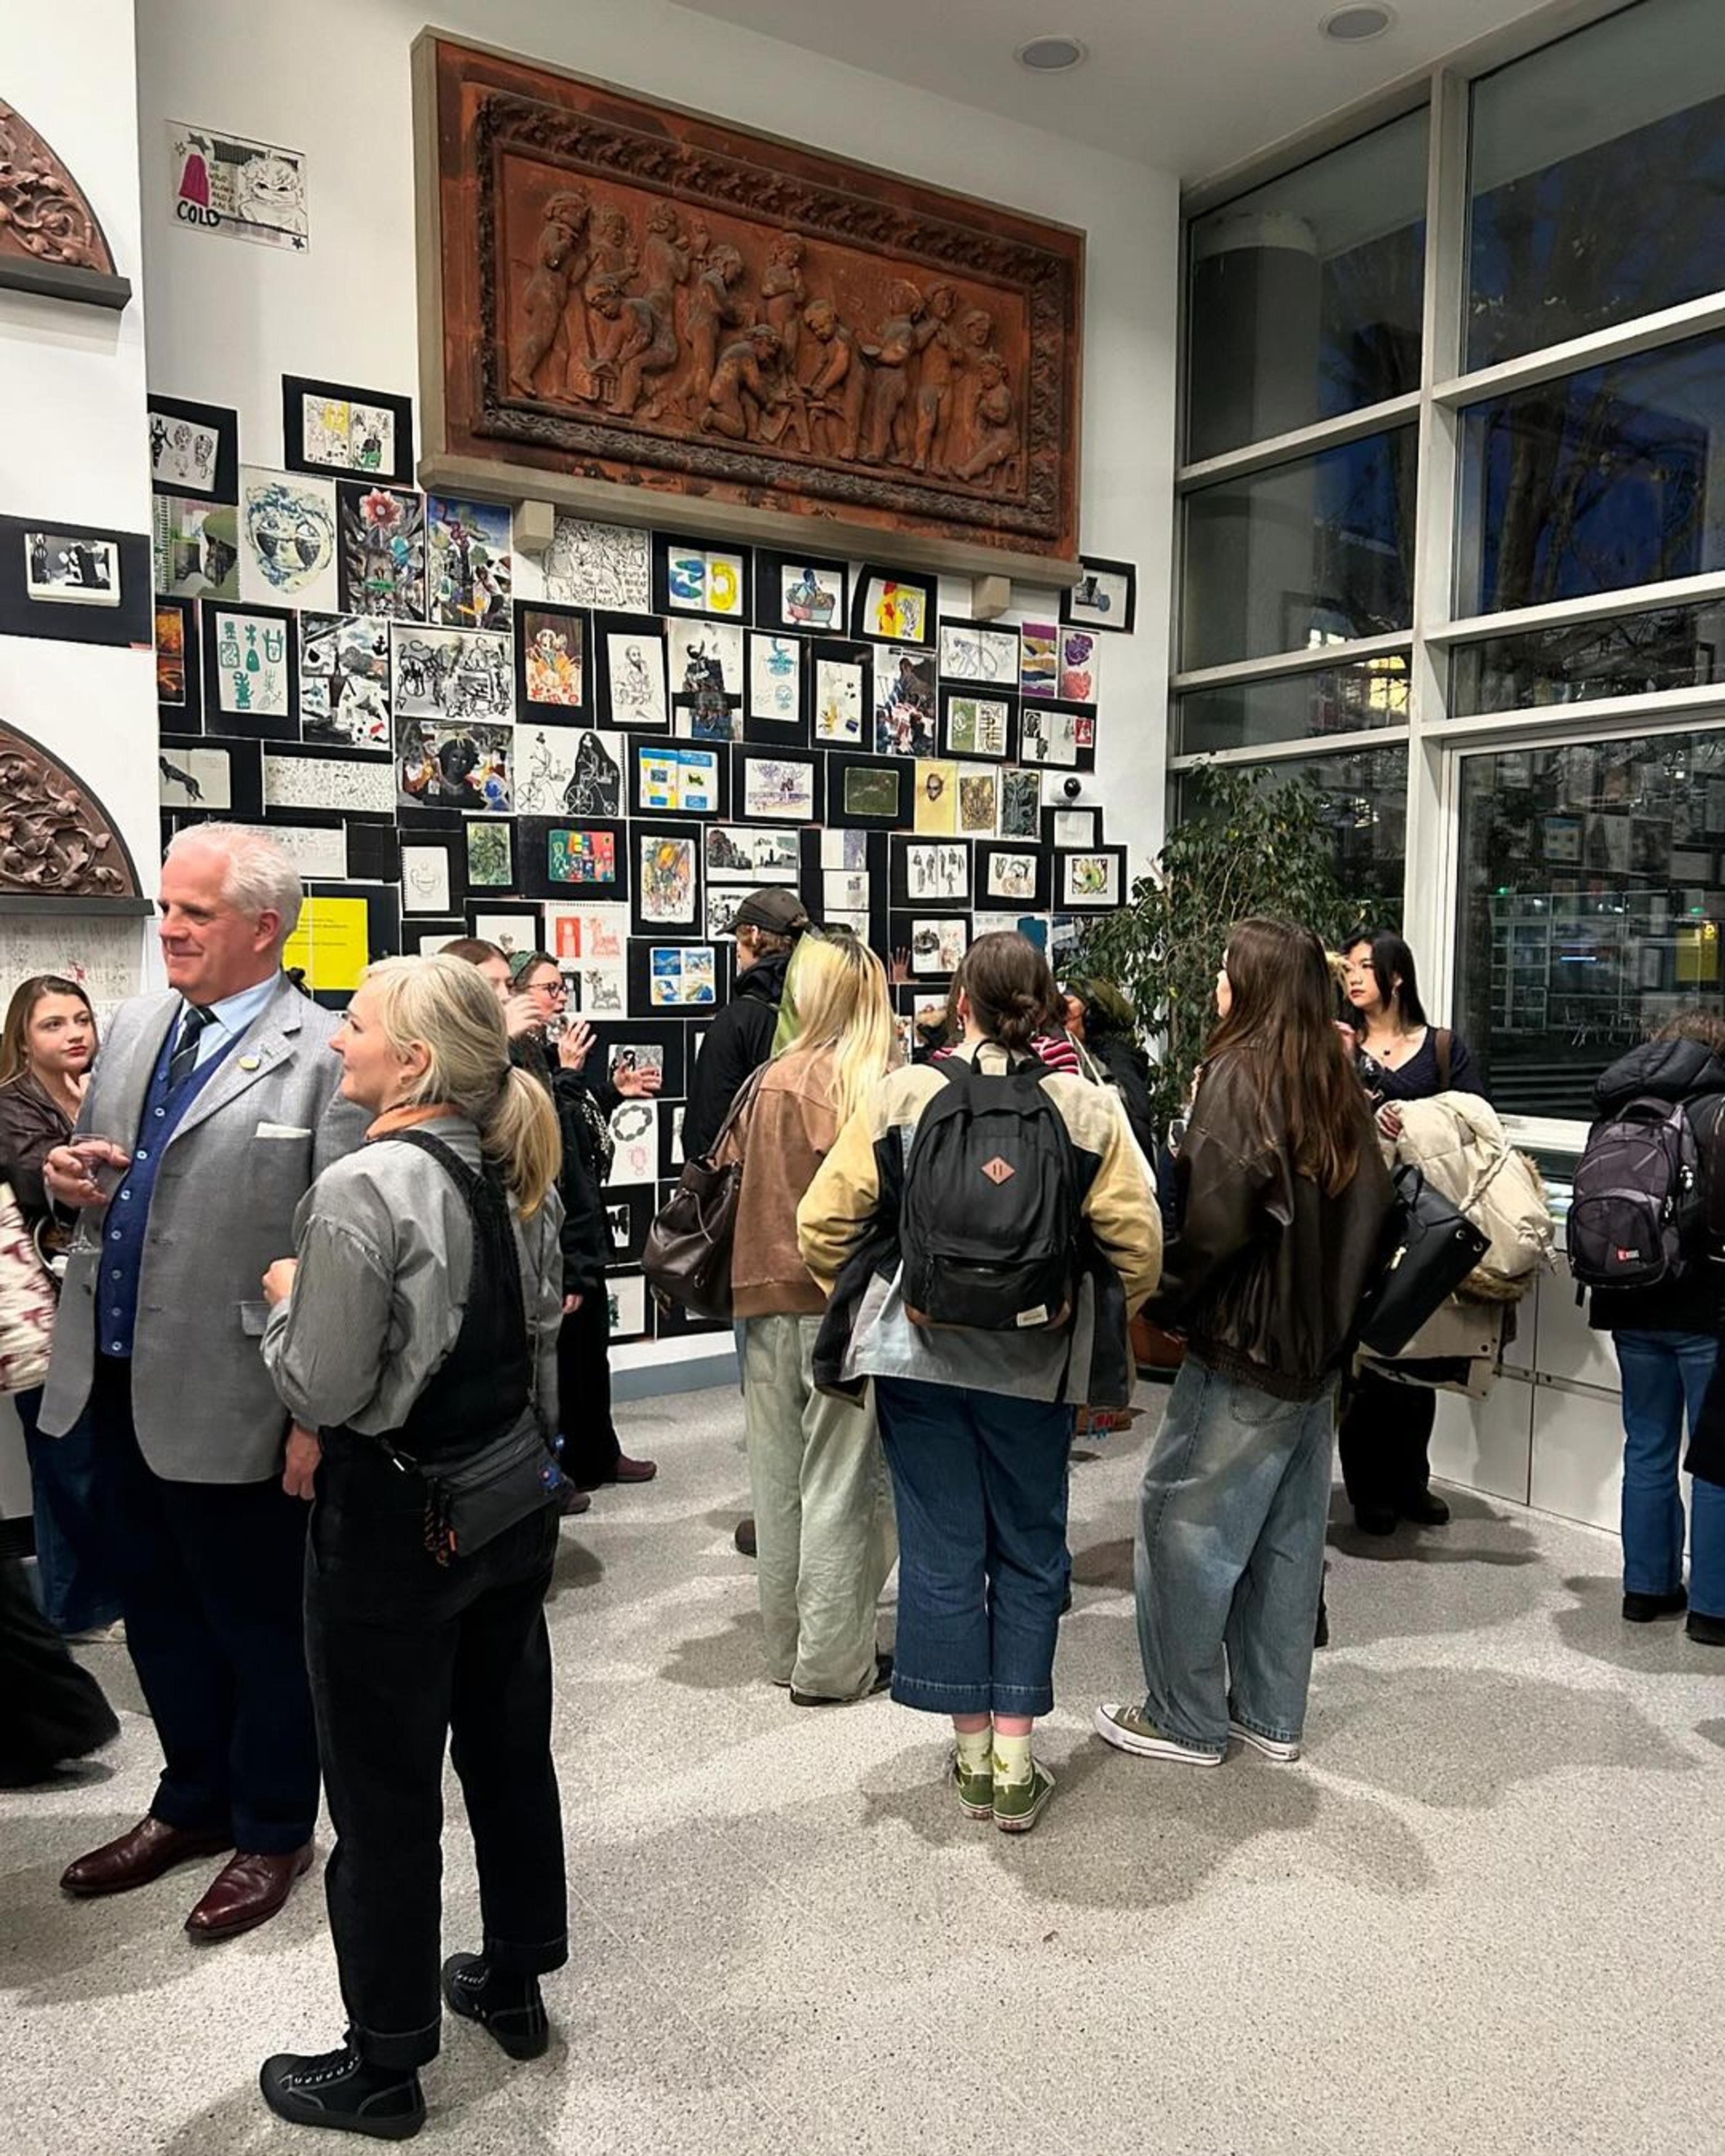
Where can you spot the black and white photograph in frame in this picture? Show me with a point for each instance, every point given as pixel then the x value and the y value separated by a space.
pixel 929 874
pixel 340 432
pixel 75 583
pixel 805 594
pixel 1011 878
pixel 194 449
pixel 1105 596
pixel 61 570
pixel 628 653
pixel 1092 880
pixel 976 722
pixel 983 652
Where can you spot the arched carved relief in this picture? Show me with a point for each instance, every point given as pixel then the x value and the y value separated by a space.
pixel 51 240
pixel 57 843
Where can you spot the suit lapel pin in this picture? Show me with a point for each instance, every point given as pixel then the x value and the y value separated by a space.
pixel 250 1062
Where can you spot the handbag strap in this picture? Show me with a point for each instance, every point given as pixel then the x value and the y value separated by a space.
pixel 743 1100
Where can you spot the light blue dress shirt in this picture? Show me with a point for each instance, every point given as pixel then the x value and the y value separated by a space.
pixel 229 1018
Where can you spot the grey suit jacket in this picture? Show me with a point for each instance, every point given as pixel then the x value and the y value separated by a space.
pixel 249 1146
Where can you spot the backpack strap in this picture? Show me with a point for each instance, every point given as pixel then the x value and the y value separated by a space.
pixel 1442 1041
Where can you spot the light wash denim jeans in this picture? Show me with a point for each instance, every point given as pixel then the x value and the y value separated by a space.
pixel 1664 1374
pixel 1230 1558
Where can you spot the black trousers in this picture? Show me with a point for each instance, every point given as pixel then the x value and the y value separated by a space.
pixel 208 1575
pixel 406 1656
pixel 591 1451
pixel 1385 1438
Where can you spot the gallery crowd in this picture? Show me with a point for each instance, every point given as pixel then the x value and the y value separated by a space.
pixel 305 1318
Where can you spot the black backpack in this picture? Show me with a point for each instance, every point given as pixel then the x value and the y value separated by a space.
pixel 1638 1217
pixel 988 1224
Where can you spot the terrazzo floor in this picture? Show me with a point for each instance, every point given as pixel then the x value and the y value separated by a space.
pixel 1484 1914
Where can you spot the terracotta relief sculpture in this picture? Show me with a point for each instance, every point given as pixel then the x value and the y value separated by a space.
pixel 645 296
pixel 50 240
pixel 56 841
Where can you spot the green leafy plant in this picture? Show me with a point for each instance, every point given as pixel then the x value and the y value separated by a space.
pixel 1258 844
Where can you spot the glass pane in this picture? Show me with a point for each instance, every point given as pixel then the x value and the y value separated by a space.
pixel 1598 179
pixel 1635 655
pixel 1306 294
pixel 1312 552
pixel 1594 482
pixel 1591 900
pixel 1339 700
pixel 1364 799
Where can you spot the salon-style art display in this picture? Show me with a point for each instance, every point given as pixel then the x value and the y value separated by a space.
pixel 625 289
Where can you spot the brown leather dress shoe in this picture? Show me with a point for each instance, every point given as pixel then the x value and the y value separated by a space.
pixel 247 1890
pixel 142 1854
pixel 634 1471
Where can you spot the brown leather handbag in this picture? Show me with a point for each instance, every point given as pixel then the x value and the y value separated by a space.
pixel 687 1258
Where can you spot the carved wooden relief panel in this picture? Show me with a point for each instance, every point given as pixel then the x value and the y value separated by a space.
pixel 57 842
pixel 635 294
pixel 50 239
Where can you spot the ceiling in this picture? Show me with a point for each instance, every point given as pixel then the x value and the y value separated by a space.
pixel 1189 86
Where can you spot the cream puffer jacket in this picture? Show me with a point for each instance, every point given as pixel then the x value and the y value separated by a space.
pixel 1458 1142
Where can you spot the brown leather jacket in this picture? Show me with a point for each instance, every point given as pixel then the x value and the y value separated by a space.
pixel 1264 1273
pixel 31 1127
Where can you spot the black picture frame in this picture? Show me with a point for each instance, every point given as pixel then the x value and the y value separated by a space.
pixel 642 627
pixel 772 611
pixel 434 930
pixel 1037 712
pixel 873 572
pixel 647 830
pixel 183 713
pixel 223 422
pixel 907 852
pixel 448 835
pixel 627 1211
pixel 531 616
pixel 959 693
pixel 373 849
pixel 669 1035
pixel 902 936
pixel 621 1333
pixel 243 776
pixel 296 388
pixel 1074 613
pixel 644 753
pixel 669 548
pixel 989 851
pixel 1021 790
pixel 743 760
pixel 328 761
pixel 640 972
pixel 1051 829
pixel 1003 633
pixel 842 816
pixel 484 908
pixel 1062 904
pixel 858 656
pixel 533 857
pixel 789 732
pixel 269 726
pixel 382 904
pixel 131 620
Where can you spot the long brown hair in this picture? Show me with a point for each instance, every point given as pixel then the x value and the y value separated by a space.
pixel 1283 1011
pixel 15 1033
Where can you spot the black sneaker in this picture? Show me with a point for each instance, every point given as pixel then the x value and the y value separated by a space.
pixel 883 1677
pixel 510 2008
pixel 1645 1609
pixel 1705 1631
pixel 1425 1509
pixel 339 2089
pixel 1374 1519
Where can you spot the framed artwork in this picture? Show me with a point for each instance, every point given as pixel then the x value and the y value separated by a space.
pixel 434 869
pixel 1092 881
pixel 380 551
pixel 670 979
pixel 330 428
pixel 894 606
pixel 979 722
pixel 553 683
pixel 344 680
pixel 342 927
pixel 454 764
pixel 934 810
pixel 779 669
pixel 287 540
pixel 1020 805
pixel 1055 734
pixel 802 594
pixel 196 546
pixel 749 854
pixel 667 871
pixel 491 854
pixel 984 653
pixel 208 777
pixel 1105 596
pixel 297 777
pixel 631 1312
pixel 451 674
pixel 628 1215
pixel 672 778
pixel 589 940
pixel 179 672
pixel 639 1044
pixel 74 582
pixel 936 943
pixel 569 771
pixel 869 793
pixel 630 653
pixel 515 930
pixel 706 677
pixel 928 874
pixel 469 562
pixel 194 449
pixel 694 577
pixel 581 862
pixel 905 701
pixel 1081 828
pixel 1079 666
pixel 1009 877
pixel 840 695
pixel 251 682
pixel 776 789
pixel 588 564
pixel 1039 659
pixel 979 807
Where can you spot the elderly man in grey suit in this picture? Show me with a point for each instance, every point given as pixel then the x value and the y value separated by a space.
pixel 212 1110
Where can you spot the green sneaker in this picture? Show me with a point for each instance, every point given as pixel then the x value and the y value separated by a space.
pixel 976 1792
pixel 1130 1729
pixel 1018 1805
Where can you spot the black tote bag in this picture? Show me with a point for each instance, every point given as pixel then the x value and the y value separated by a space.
pixel 1429 1249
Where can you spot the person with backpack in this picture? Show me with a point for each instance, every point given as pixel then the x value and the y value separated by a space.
pixel 1386 1427
pixel 739 1040
pixel 822 1511
pixel 1281 1198
pixel 983 1226
pixel 1642 1237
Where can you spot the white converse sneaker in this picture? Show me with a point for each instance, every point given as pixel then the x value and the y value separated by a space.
pixel 1272 1748
pixel 1129 1729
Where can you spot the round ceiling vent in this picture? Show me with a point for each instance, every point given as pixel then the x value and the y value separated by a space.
pixel 1352 26
pixel 1050 55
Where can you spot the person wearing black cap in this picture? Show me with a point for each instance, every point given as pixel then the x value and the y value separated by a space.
pixel 740 1039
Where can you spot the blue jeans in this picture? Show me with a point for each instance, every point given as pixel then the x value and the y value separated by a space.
pixel 72 1584
pixel 1664 1374
pixel 1230 1558
pixel 980 1482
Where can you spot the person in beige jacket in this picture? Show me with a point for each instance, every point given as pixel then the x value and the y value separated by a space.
pixel 823 1511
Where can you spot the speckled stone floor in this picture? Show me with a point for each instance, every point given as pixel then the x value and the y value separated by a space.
pixel 1483 1915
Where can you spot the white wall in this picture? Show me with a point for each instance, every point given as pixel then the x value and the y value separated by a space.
pixel 330 78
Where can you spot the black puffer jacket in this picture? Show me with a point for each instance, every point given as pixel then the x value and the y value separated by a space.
pixel 738 1042
pixel 1669 1070
pixel 1127 1068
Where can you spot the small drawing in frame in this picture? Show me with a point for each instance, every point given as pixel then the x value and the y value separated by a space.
pixel 1105 596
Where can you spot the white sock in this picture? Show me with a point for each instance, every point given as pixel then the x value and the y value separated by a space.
pixel 1012 1759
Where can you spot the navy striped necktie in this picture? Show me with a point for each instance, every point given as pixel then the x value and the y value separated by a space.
pixel 184 1059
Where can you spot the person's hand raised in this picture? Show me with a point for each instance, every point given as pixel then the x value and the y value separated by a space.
pixel 576 1045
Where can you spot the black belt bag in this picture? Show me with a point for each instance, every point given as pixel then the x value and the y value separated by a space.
pixel 471 1501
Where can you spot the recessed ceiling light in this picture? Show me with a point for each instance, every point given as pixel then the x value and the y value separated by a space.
pixel 1352 26
pixel 1052 55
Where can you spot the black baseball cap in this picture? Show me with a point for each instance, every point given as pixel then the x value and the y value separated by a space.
pixel 779 911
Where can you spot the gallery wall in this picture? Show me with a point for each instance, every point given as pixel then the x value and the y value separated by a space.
pixel 227 320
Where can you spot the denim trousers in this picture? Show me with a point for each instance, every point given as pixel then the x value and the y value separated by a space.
pixel 980 1483
pixel 408 1656
pixel 824 1534
pixel 72 1584
pixel 1230 1561
pixel 1664 1376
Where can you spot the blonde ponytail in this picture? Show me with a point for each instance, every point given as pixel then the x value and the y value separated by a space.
pixel 519 1133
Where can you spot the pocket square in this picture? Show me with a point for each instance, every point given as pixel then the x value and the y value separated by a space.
pixel 283 1130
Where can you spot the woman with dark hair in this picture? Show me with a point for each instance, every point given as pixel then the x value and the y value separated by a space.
pixel 1386 1426
pixel 48 1047
pixel 1281 1196
pixel 1102 1020
pixel 978 1424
